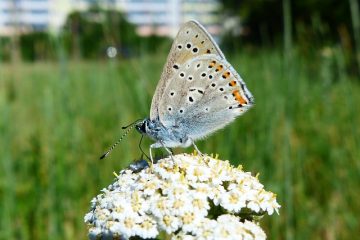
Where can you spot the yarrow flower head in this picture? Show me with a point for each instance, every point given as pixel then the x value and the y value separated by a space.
pixel 184 196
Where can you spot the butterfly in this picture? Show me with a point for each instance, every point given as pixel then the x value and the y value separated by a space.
pixel 199 92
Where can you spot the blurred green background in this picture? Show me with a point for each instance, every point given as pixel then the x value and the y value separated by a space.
pixel 63 102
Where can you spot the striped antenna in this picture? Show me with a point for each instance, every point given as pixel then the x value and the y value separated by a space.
pixel 131 126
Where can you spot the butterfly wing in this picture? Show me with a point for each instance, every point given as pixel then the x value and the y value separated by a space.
pixel 205 95
pixel 191 41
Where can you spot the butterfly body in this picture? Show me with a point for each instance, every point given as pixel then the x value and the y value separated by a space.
pixel 163 136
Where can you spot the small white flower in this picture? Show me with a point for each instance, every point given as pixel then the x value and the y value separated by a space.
pixel 181 204
pixel 169 223
pixel 216 194
pixel 200 204
pixel 233 201
pixel 203 189
pixel 167 170
pixel 205 229
pixel 147 228
pixel 254 205
pixel 220 172
pixel 128 227
pixel 161 207
pixel 175 189
pixel 89 217
pixel 196 173
pixel 268 202
pixel 139 203
pixel 183 236
pixel 256 232
pixel 190 220
pixel 125 180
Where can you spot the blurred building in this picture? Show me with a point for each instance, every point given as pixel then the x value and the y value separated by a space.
pixel 160 17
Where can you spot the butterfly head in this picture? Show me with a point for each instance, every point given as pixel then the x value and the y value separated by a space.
pixel 142 125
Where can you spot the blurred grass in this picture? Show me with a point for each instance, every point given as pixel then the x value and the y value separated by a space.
pixel 302 135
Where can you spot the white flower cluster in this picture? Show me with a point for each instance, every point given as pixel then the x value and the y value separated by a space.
pixel 185 197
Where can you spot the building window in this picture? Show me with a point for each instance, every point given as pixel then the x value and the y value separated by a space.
pixel 39 11
pixel 39 26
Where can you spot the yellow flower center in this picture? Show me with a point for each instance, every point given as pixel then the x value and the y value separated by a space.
pixel 167 220
pixel 147 224
pixel 234 198
pixel 198 203
pixel 119 209
pixel 178 204
pixel 129 222
pixel 188 218
pixel 198 172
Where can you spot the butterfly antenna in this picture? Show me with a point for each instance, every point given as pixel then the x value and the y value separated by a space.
pixel 130 126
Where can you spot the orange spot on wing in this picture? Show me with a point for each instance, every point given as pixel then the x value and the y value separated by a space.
pixel 219 68
pixel 238 97
pixel 212 64
pixel 226 75
pixel 233 83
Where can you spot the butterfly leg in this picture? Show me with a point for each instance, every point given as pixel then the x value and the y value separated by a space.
pixel 158 145
pixel 168 150
pixel 196 148
pixel 142 151
pixel 151 157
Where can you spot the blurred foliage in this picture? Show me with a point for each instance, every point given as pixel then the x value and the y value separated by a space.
pixel 314 21
pixel 88 34
pixel 36 46
pixel 85 35
pixel 315 24
pixel 5 49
